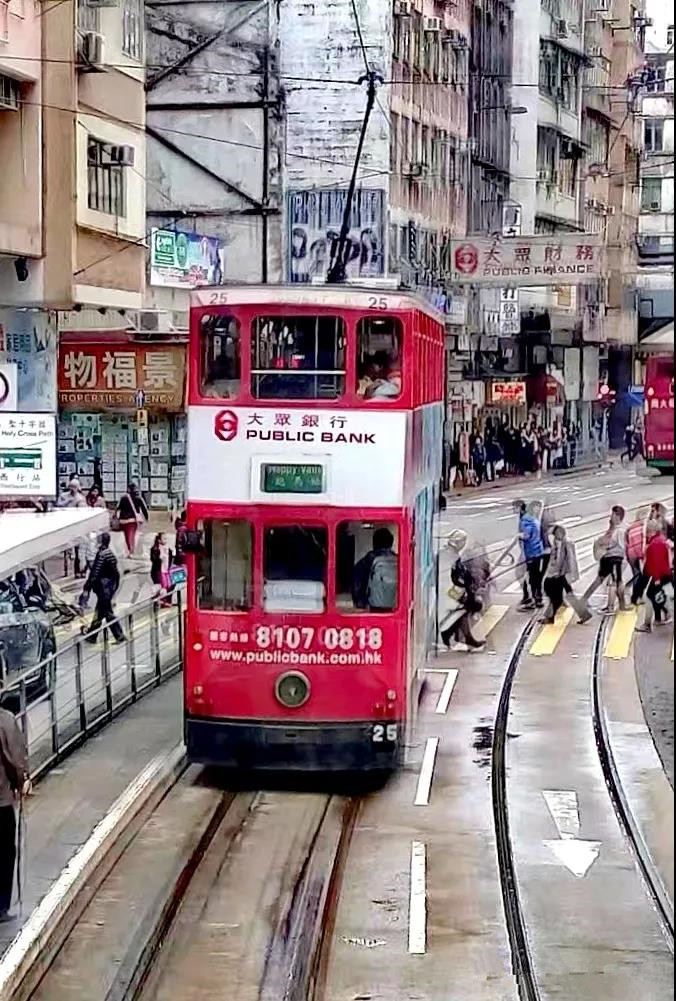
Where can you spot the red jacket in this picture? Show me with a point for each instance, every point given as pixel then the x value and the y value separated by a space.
pixel 658 559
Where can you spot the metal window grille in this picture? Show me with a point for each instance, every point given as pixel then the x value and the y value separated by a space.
pixel 132 29
pixel 88 17
pixel 105 180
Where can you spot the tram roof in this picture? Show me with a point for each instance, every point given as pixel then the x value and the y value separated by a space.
pixel 338 296
pixel 28 537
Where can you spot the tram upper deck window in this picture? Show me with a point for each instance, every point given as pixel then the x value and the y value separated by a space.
pixel 379 348
pixel 224 567
pixel 298 358
pixel 294 568
pixel 221 357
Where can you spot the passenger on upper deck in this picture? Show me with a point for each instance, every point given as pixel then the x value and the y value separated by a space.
pixel 382 377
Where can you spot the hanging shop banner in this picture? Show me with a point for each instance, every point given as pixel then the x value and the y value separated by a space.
pixel 570 258
pixel 27 455
pixel 510 312
pixel 314 219
pixel 28 339
pixel 95 376
pixel 512 393
pixel 185 260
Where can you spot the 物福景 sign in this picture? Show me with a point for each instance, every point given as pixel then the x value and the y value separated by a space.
pixel 563 259
pixel 122 375
pixel 27 455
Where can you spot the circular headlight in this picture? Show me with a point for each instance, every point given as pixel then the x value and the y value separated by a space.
pixel 292 690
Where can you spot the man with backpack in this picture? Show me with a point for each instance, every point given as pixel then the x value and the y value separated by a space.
pixel 376 576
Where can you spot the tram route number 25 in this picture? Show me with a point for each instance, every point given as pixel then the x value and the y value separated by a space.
pixel 385 733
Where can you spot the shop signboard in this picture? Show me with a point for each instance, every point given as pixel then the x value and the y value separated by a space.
pixel 512 393
pixel 28 339
pixel 9 386
pixel 185 260
pixel 510 312
pixel 27 455
pixel 567 258
pixel 100 376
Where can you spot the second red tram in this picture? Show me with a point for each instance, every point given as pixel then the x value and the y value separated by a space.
pixel 659 413
pixel 315 429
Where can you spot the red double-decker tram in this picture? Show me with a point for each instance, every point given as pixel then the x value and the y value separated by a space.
pixel 315 441
pixel 659 412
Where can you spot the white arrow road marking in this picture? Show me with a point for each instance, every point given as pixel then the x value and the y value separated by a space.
pixel 417 920
pixel 563 806
pixel 577 856
pixel 427 773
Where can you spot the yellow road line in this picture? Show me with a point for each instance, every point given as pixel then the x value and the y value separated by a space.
pixel 618 643
pixel 550 635
pixel 494 615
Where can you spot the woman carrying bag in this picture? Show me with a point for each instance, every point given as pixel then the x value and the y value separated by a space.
pixel 131 512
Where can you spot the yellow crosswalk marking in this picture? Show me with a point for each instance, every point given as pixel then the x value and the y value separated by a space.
pixel 487 623
pixel 618 643
pixel 550 635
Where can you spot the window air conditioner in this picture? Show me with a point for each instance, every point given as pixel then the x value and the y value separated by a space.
pixel 92 50
pixel 403 8
pixel 561 26
pixel 434 24
pixel 103 3
pixel 123 156
pixel 655 207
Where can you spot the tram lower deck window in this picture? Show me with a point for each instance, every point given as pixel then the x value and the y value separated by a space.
pixel 295 559
pixel 225 567
pixel 367 567
pixel 298 358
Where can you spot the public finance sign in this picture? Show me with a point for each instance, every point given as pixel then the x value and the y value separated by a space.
pixel 96 376
pixel 314 222
pixel 185 260
pixel 27 455
pixel 564 259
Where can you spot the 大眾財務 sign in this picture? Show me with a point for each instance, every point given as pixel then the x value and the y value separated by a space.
pixel 564 259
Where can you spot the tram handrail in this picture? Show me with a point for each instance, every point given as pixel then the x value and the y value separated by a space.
pixel 96 685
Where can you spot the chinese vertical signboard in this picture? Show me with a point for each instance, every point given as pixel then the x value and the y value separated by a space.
pixel 28 340
pixel 564 259
pixel 510 312
pixel 185 260
pixel 96 376
pixel 314 222
pixel 27 455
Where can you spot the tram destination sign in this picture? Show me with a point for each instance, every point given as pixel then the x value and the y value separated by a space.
pixel 299 478
pixel 561 259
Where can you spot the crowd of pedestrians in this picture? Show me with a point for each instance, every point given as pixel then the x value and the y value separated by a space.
pixel 499 449
pixel 634 566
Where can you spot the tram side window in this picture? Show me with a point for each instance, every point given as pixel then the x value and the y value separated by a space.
pixel 367 567
pixel 221 357
pixel 379 348
pixel 224 567
pixel 295 559
pixel 298 358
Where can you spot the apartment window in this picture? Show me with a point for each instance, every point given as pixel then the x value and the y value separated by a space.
pixel 546 155
pixel 651 194
pixel 596 137
pixel 653 135
pixel 88 17
pixel 105 178
pixel 9 93
pixel 4 20
pixel 132 29
pixel 656 79
pixel 559 75
pixel 568 176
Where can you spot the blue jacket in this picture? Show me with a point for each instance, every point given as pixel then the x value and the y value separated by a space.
pixel 531 532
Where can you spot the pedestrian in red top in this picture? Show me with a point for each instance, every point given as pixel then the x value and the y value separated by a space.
pixel 635 542
pixel 657 569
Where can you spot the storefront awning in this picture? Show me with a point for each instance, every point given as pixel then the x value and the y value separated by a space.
pixel 660 340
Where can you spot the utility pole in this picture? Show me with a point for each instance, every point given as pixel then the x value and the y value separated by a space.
pixel 337 273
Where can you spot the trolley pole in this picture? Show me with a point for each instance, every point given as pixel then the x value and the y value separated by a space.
pixel 338 271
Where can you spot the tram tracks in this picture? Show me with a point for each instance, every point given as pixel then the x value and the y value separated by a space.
pixel 251 904
pixel 523 964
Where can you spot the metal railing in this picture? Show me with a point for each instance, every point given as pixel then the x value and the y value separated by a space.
pixel 70 696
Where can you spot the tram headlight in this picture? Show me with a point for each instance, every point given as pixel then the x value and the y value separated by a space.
pixel 293 689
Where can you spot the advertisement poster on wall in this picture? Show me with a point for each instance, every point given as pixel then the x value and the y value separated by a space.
pixel 314 219
pixel 28 340
pixel 185 260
